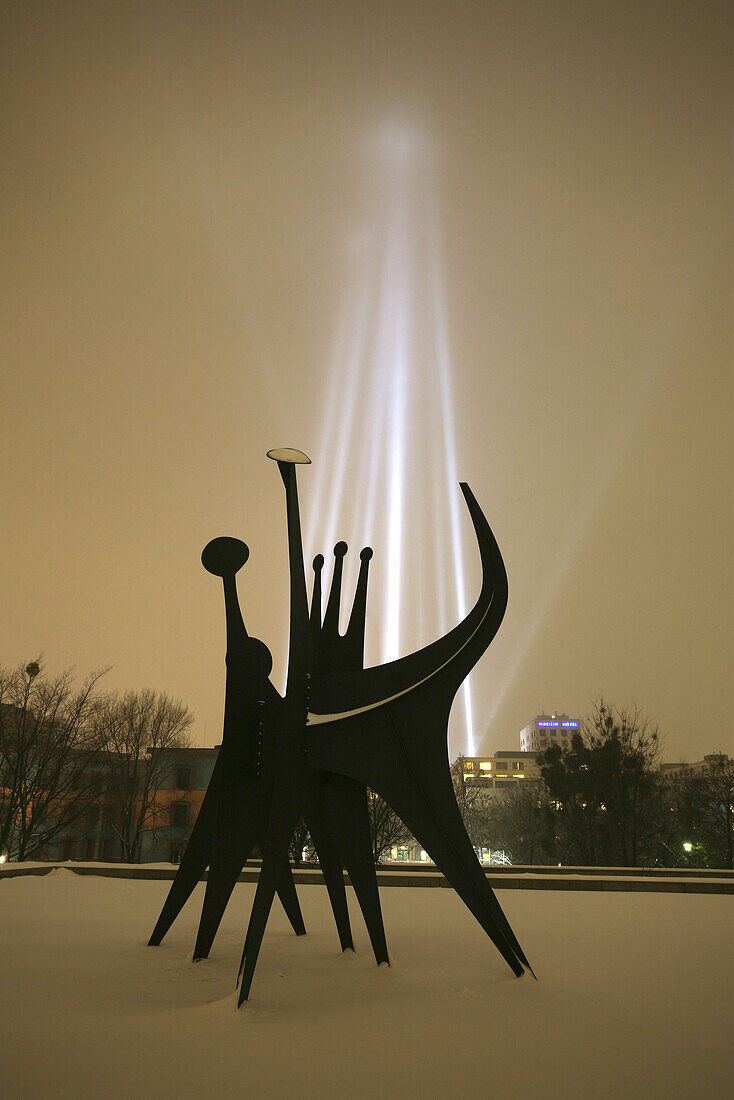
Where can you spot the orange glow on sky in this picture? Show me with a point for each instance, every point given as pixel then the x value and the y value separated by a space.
pixel 184 196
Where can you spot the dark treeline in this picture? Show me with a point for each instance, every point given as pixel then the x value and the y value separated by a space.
pixel 72 756
pixel 386 830
pixel 605 802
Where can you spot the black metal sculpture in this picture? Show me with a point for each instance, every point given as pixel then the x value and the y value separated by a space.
pixel 339 729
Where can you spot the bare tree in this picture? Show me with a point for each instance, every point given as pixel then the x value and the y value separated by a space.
pixel 520 821
pixel 471 800
pixel 703 804
pixel 136 730
pixel 49 763
pixel 299 841
pixel 719 777
pixel 386 827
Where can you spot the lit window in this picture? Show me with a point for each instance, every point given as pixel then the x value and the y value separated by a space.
pixel 486 766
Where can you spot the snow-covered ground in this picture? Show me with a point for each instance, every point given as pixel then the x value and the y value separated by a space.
pixel 635 998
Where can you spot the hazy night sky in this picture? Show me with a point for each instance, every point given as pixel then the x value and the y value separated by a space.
pixel 422 242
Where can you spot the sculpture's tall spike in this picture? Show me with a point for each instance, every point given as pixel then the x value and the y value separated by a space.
pixel 318 565
pixel 315 617
pixel 287 459
pixel 331 618
pixel 289 750
pixel 353 648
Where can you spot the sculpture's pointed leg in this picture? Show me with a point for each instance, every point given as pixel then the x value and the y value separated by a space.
pixel 194 862
pixel 223 875
pixel 224 871
pixel 289 900
pixel 275 854
pixel 399 751
pixel 264 895
pixel 235 839
pixel 436 822
pixel 347 816
pixel 331 868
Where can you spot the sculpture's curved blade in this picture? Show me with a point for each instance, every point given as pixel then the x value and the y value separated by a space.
pixel 394 740
pixel 335 694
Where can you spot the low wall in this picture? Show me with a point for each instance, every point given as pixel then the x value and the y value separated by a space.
pixel 650 880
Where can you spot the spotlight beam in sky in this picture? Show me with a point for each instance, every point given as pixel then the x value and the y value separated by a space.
pixel 612 455
pixel 390 414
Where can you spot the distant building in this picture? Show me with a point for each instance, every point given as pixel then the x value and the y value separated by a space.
pixel 410 852
pixel 506 769
pixel 92 837
pixel 549 729
pixel 698 767
pixel 178 801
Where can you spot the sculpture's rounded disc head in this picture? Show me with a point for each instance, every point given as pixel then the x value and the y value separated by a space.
pixel 258 659
pixel 366 554
pixel 224 556
pixel 288 454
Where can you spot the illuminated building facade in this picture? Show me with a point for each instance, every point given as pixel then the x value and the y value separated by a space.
pixel 698 767
pixel 504 770
pixel 549 729
pixel 178 800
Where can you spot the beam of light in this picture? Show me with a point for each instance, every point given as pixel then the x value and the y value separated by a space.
pixel 393 480
pixel 393 287
pixel 613 451
pixel 446 405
